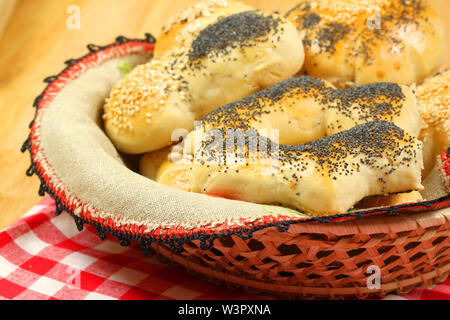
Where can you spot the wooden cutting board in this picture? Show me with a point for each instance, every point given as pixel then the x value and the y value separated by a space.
pixel 40 36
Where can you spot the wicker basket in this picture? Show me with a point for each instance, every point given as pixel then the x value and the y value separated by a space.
pixel 315 260
pixel 307 258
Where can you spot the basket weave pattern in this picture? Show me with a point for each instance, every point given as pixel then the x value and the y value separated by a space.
pixel 323 260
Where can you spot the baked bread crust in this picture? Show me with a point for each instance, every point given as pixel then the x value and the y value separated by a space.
pixel 353 42
pixel 434 102
pixel 166 166
pixel 303 109
pixel 324 177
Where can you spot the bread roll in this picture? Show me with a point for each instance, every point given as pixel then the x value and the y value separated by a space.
pixel 353 42
pixel 150 162
pixel 174 172
pixel 374 101
pixel 182 27
pixel 230 56
pixel 323 177
pixel 163 168
pixel 303 109
pixel 434 102
pixel 390 200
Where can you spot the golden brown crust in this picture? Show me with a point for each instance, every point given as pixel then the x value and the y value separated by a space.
pixel 323 177
pixel 175 174
pixel 183 26
pixel 161 167
pixel 434 102
pixel 390 200
pixel 374 158
pixel 146 106
pixel 150 162
pixel 352 42
pixel 306 108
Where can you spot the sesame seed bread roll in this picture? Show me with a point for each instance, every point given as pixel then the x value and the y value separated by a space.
pixel 146 106
pixel 353 42
pixel 225 61
pixel 323 177
pixel 434 102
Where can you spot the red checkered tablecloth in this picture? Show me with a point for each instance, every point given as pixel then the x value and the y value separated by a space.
pixel 43 256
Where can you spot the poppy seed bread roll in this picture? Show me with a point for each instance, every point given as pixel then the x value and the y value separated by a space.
pixel 374 101
pixel 239 55
pixel 227 58
pixel 324 177
pixel 353 42
pixel 303 109
pixel 182 27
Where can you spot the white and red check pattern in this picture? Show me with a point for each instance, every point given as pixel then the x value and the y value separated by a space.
pixel 43 256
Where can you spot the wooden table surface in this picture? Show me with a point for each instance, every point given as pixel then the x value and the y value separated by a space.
pixel 35 43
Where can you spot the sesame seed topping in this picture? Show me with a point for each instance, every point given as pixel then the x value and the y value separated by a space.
pixel 434 101
pixel 146 88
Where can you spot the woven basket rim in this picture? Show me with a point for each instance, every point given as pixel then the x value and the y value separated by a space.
pixel 207 236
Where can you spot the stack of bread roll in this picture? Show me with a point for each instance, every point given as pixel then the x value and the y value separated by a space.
pixel 339 96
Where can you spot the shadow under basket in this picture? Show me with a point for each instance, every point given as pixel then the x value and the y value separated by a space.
pixel 299 257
